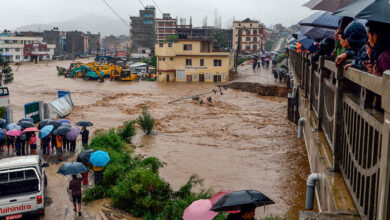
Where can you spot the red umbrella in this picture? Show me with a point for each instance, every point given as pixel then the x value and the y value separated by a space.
pixel 32 129
pixel 14 133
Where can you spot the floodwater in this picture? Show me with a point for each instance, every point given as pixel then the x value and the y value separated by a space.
pixel 239 141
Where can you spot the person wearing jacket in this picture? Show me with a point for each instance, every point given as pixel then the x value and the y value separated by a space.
pixel 353 39
pixel 33 146
pixel 343 23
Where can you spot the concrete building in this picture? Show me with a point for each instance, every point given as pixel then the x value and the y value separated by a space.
pixel 251 37
pixel 192 60
pixel 76 43
pixel 111 44
pixel 142 32
pixel 56 37
pixel 94 43
pixel 31 33
pixel 16 48
pixel 165 27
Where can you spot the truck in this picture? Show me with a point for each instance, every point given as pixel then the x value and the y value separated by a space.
pixel 23 183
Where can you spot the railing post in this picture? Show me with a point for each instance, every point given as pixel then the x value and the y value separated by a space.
pixel 384 177
pixel 320 93
pixel 338 119
pixel 310 86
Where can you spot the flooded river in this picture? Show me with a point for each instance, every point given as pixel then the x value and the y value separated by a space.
pixel 239 141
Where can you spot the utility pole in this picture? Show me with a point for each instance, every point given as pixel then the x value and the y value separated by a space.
pixel 238 49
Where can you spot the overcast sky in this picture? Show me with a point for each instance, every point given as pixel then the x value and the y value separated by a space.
pixel 15 13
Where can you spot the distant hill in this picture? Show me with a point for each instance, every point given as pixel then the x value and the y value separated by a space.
pixel 93 23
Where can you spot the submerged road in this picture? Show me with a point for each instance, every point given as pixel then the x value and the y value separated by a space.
pixel 239 141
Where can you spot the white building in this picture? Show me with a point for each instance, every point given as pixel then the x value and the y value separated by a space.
pixel 25 49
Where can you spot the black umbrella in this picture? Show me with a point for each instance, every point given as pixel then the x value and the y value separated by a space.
pixel 72 168
pixel 373 10
pixel 56 124
pixel 321 19
pixel 84 156
pixel 26 124
pixel 236 200
pixel 3 122
pixel 43 123
pixel 84 123
pixel 27 119
pixel 327 5
pixel 62 130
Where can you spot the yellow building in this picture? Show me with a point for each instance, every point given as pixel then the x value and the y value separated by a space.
pixel 192 60
pixel 251 35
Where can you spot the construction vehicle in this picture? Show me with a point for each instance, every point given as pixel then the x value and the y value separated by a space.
pixel 87 72
pixel 127 75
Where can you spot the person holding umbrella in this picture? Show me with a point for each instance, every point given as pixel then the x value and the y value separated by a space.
pixel 247 212
pixel 84 136
pixel 59 146
pixel 33 146
pixel 45 136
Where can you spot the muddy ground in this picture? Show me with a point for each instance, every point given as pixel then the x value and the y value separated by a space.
pixel 238 141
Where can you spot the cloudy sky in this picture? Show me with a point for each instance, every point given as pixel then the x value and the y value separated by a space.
pixel 16 13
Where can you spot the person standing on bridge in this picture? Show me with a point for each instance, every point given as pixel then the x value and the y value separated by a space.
pixel 255 59
pixel 84 137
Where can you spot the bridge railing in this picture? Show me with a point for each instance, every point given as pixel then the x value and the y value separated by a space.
pixel 356 131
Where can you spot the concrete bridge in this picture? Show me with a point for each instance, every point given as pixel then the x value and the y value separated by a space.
pixel 347 133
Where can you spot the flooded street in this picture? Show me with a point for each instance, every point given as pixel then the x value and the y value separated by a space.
pixel 239 141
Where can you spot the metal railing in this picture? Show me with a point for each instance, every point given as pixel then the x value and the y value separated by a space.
pixel 357 134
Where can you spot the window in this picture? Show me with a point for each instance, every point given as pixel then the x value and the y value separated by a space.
pixel 6 41
pixel 254 31
pixel 217 62
pixel 17 57
pixel 161 44
pixel 248 39
pixel 17 49
pixel 187 47
pixel 255 47
pixel 169 44
pixel 27 49
pixel 14 41
pixel 171 59
pixel 163 59
pixel 6 49
pixel 248 31
pixel 248 47
pixel 147 15
pixel 148 22
pixel 251 25
pixel 25 57
pixel 188 62
pixel 159 59
pixel 255 39
pixel 201 62
pixel 239 24
pixel 180 75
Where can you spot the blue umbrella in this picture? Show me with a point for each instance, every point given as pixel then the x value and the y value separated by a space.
pixel 62 121
pixel 13 126
pixel 72 168
pixel 99 158
pixel 317 34
pixel 45 131
pixel 321 19
pixel 3 122
pixel 1 133
pixel 307 44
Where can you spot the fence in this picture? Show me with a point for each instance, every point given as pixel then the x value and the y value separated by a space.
pixel 357 133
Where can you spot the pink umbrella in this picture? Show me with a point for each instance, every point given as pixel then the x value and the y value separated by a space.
pixel 32 129
pixel 14 132
pixel 218 195
pixel 199 209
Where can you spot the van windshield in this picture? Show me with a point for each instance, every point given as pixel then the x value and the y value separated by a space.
pixel 18 182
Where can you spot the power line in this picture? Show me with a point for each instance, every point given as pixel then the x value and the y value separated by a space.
pixel 116 13
pixel 157 7
pixel 141 3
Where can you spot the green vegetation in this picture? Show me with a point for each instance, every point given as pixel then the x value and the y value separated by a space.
pixel 283 44
pixel 220 39
pixel 146 121
pixel 152 61
pixel 241 61
pixel 269 44
pixel 134 184
pixel 6 75
pixel 281 57
pixel 171 38
pixel 3 111
pixel 128 131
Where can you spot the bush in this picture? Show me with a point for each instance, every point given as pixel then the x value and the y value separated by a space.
pixel 146 121
pixel 128 131
pixel 107 140
pixel 281 57
pixel 94 193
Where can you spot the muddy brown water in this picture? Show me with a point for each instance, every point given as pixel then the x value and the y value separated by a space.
pixel 239 141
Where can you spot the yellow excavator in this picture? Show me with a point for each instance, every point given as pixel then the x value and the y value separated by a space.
pixel 127 75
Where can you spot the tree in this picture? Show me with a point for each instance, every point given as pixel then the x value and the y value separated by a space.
pixel 269 44
pixel 220 39
pixel 171 38
pixel 146 121
pixel 6 75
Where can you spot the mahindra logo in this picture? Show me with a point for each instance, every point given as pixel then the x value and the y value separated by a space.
pixel 15 209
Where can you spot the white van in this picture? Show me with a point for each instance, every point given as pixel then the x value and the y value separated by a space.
pixel 22 187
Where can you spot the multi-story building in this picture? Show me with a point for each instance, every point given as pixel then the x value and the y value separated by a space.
pixel 94 43
pixel 192 60
pixel 76 43
pixel 251 36
pixel 55 37
pixel 111 44
pixel 142 32
pixel 31 33
pixel 17 48
pixel 165 27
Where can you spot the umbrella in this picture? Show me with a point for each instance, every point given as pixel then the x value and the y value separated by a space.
pixel 321 19
pixel 306 43
pixel 84 156
pixel 73 133
pixel 13 126
pixel 46 131
pixel 2 122
pixel 31 129
pixel 55 124
pixel 317 34
pixel 14 133
pixel 199 209
pixel 373 10
pixel 26 124
pixel 327 5
pixel 62 121
pixel 43 123
pixel 84 123
pixel 26 119
pixel 99 158
pixel 62 130
pixel 72 168
pixel 235 200
pixel 266 59
pixel 2 133
pixel 218 195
